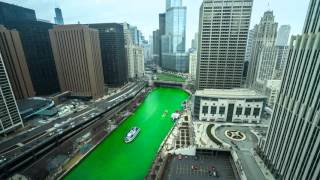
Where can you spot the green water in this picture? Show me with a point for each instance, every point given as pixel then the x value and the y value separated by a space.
pixel 115 160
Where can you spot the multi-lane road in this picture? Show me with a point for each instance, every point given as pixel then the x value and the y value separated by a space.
pixel 21 144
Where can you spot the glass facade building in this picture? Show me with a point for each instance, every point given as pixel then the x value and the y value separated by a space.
pixel 36 45
pixel 173 43
pixel 114 61
pixel 59 18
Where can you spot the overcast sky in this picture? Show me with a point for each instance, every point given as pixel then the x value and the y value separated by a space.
pixel 144 13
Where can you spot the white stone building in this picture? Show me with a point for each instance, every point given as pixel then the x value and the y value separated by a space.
pixel 272 91
pixel 232 105
pixel 193 65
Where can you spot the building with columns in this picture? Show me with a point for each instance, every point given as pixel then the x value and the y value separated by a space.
pixel 232 105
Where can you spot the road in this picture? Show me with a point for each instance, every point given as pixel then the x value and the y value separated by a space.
pixel 22 143
pixel 244 150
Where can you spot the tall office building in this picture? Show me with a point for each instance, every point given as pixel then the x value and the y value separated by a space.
pixel 134 53
pixel 156 50
pixel 194 42
pixel 223 33
pixel 281 60
pixel 263 57
pixel 250 41
pixel 247 58
pixel 282 50
pixel 129 39
pixel 193 65
pixel 162 31
pixel 283 35
pixel 138 54
pixel 114 61
pixel 291 149
pixel 15 63
pixel 9 117
pixel 10 13
pixel 76 50
pixel 36 44
pixel 173 43
pixel 59 18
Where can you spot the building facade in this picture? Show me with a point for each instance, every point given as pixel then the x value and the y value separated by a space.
pixel 36 44
pixel 138 54
pixel 194 42
pixel 11 12
pixel 193 65
pixel 114 61
pixel 77 54
pixel 272 91
pixel 156 44
pixel 134 54
pixel 15 63
pixel 291 148
pixel 281 60
pixel 233 105
pixel 9 117
pixel 173 42
pixel 223 33
pixel 283 35
pixel 162 31
pixel 264 52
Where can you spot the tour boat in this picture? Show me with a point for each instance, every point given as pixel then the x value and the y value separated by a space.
pixel 132 134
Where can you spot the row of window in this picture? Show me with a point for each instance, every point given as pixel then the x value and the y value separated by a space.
pixel 239 111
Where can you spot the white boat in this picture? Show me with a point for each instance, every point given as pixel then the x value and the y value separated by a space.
pixel 132 134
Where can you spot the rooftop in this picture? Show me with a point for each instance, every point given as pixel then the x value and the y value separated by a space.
pixel 203 163
pixel 229 93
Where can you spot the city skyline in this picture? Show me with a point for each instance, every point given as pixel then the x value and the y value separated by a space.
pixel 144 13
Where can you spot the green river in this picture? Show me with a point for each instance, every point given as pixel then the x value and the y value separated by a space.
pixel 115 160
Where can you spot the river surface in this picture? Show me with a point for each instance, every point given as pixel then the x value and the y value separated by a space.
pixel 115 160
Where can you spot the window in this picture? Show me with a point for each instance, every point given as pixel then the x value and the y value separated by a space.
pixel 256 112
pixel 247 112
pixel 239 111
pixel 205 109
pixel 213 110
pixel 222 110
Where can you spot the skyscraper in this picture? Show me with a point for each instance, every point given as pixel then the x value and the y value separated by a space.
pixel 59 18
pixel 162 31
pixel 76 50
pixel 9 116
pixel 193 65
pixel 194 42
pixel 36 45
pixel 114 61
pixel 134 53
pixel 291 149
pixel 282 50
pixel 249 49
pixel 10 12
pixel 156 50
pixel 264 53
pixel 283 35
pixel 223 32
pixel 15 63
pixel 173 43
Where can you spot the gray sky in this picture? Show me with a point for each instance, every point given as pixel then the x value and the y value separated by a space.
pixel 144 13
